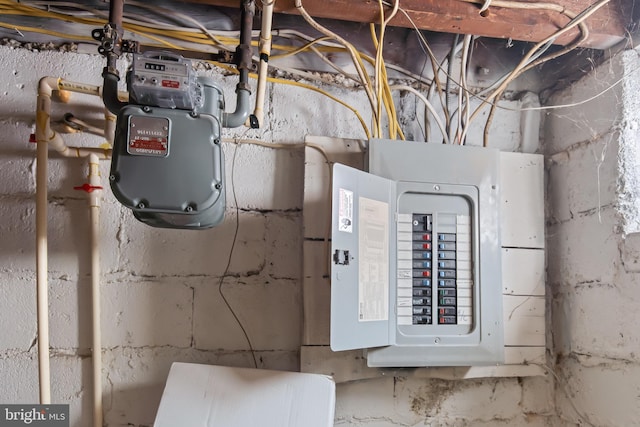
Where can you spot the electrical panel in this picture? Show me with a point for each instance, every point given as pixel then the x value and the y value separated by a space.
pixel 416 274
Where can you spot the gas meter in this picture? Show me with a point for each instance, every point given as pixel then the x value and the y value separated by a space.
pixel 168 165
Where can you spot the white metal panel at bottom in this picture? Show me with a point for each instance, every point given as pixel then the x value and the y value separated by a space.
pixel 349 365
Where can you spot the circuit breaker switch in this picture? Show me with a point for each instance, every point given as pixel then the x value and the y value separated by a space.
pixel 447 274
pixel 446 237
pixel 422 246
pixel 448 301
pixel 447 320
pixel 447 246
pixel 446 283
pixel 421 292
pixel 448 292
pixel 447 264
pixel 421 255
pixel 448 311
pixel 422 264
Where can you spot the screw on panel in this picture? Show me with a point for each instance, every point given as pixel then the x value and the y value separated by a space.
pixel 189 208
pixel 112 177
pixel 216 141
pixel 194 114
pixel 146 109
pixel 436 187
pixel 141 205
pixel 218 186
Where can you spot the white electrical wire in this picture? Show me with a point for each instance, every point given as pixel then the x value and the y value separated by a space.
pixel 428 105
pixel 485 6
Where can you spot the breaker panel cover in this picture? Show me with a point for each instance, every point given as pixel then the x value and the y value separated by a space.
pixel 362 214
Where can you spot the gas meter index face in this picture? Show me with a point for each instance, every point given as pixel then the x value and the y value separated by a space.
pixel 417 273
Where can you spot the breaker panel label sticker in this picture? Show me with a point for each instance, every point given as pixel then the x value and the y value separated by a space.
pixel 373 247
pixel 148 136
pixel 345 211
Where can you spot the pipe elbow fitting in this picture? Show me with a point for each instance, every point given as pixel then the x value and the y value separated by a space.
pixel 47 85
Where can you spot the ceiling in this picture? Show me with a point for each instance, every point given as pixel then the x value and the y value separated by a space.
pixel 607 27
pixel 505 33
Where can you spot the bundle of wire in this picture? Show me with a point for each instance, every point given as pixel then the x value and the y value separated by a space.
pixel 370 72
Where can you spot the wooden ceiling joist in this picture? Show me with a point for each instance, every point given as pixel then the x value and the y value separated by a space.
pixel 607 27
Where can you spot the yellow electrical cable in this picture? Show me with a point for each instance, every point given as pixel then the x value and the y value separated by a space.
pixel 305 86
pixel 379 69
pixel 328 95
pixel 301 49
pixel 145 31
pixel 357 59
pixel 19 9
pixel 385 95
pixel 43 31
pixel 76 20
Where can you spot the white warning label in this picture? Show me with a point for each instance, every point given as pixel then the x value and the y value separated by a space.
pixel 345 211
pixel 373 247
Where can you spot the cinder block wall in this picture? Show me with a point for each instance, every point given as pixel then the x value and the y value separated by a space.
pixel 160 288
pixel 592 263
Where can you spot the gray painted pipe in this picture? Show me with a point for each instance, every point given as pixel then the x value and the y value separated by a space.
pixel 110 92
pixel 243 58
pixel 238 117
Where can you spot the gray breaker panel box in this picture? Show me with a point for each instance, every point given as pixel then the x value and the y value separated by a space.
pixel 393 275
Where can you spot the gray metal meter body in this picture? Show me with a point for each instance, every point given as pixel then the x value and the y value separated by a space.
pixel 168 165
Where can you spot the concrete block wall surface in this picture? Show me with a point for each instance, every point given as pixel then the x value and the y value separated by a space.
pixel 592 257
pixel 161 288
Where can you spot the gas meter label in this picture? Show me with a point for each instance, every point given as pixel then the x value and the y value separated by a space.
pixel 148 136
pixel 171 84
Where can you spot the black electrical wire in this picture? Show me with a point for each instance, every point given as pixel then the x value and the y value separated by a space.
pixel 233 245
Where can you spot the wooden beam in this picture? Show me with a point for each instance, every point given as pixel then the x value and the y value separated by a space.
pixel 607 26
